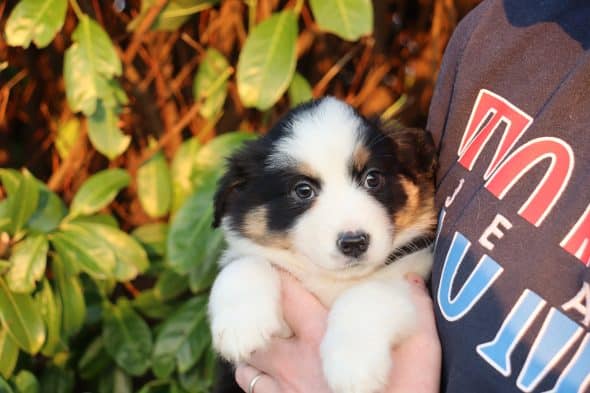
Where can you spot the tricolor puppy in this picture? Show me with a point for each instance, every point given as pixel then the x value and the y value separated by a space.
pixel 346 206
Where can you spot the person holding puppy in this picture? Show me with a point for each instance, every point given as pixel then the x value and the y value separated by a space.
pixel 511 279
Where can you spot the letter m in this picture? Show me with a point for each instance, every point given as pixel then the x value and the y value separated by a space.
pixel 489 114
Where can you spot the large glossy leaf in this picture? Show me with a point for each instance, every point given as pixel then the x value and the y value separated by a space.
pixel 189 231
pixel 174 14
pixel 349 19
pixel 98 191
pixel 51 312
pixel 203 273
pixel 182 168
pixel 23 202
pixel 152 237
pixel 35 20
pixel 104 131
pixel 82 249
pixel 299 90
pixel 153 306
pixel 210 84
pixel 127 337
pixel 28 259
pixel 182 339
pixel 201 377
pixel 50 211
pixel 131 258
pixel 267 61
pixel 154 186
pixel 70 296
pixel 88 65
pixel 5 387
pixel 170 285
pixel 210 159
pixel 26 382
pixel 22 319
pixel 8 354
pixel 11 179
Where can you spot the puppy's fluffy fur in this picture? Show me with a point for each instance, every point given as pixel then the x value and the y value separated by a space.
pixel 328 196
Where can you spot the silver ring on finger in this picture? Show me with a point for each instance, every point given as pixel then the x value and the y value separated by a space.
pixel 253 382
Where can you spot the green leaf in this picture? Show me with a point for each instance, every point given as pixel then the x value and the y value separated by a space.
pixel 88 65
pixel 70 296
pixel 127 338
pixel 210 159
pixel 35 20
pixel 23 202
pixel 26 382
pixel 11 179
pixel 154 186
pixel 98 191
pixel 189 230
pixel 182 339
pixel 152 306
pixel 67 135
pixel 200 378
pixel 202 274
pixel 299 90
pixel 82 249
pixel 169 285
pixel 348 19
pixel 5 387
pixel 152 237
pixel 267 61
pixel 210 84
pixel 104 132
pixel 115 382
pixel 28 259
pixel 21 317
pixel 8 354
pixel 173 15
pixel 50 211
pixel 94 360
pixel 131 258
pixel 104 219
pixel 182 168
pixel 51 312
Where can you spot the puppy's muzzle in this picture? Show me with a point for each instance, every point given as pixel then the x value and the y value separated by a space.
pixel 353 244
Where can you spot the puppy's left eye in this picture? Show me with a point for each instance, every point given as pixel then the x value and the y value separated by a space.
pixel 373 179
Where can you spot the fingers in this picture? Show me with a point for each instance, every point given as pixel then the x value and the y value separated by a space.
pixel 423 302
pixel 264 384
pixel 302 311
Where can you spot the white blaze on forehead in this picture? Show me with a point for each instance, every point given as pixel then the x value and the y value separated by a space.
pixel 323 137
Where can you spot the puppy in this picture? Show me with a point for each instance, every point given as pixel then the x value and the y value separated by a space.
pixel 346 206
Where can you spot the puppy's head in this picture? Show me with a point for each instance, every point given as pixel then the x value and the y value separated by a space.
pixel 331 187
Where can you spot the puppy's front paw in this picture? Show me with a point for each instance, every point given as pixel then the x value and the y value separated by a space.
pixel 353 365
pixel 238 332
pixel 245 309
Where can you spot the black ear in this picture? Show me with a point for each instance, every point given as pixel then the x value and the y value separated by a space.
pixel 415 150
pixel 241 166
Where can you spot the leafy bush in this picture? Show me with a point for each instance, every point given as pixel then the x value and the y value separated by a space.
pixel 107 253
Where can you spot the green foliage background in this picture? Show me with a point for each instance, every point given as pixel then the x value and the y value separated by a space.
pixel 107 252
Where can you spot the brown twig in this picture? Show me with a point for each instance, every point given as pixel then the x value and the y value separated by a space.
pixel 322 85
pixel 144 26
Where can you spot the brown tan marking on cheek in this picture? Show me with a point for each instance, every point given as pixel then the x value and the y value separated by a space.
pixel 418 213
pixel 255 227
pixel 306 170
pixel 360 157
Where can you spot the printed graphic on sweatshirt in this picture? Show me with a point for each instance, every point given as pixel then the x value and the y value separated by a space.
pixel 564 328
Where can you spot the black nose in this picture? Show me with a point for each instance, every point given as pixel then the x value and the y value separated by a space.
pixel 353 244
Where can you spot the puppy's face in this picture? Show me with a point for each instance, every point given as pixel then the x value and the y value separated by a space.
pixel 328 185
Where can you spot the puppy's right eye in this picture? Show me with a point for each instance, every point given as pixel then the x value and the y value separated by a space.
pixel 304 191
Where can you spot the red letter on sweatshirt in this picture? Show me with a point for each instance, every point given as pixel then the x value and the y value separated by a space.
pixel 489 113
pixel 577 241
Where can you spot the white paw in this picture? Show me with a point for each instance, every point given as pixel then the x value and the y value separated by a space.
pixel 240 331
pixel 355 367
pixel 245 309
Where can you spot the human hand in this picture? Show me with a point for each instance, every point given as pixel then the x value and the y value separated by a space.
pixel 293 365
